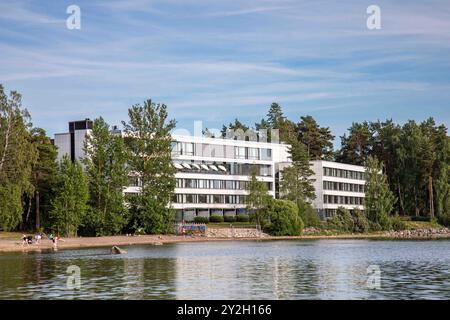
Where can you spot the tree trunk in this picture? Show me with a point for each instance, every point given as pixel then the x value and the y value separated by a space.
pixel 430 191
pixel 7 135
pixel 415 202
pixel 400 198
pixel 38 213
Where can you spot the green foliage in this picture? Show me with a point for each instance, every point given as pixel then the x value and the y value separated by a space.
pixel 398 224
pixel 228 218
pixel 106 168
pixel 444 219
pixel 379 200
pixel 361 223
pixel 356 147
pixel 69 205
pixel 258 197
pixel 349 221
pixel 309 215
pixel 149 149
pixel 296 184
pixel 201 219
pixel 318 140
pixel 416 160
pixel 216 218
pixel 284 218
pixel 43 177
pixel 342 221
pixel 17 155
pixel 242 218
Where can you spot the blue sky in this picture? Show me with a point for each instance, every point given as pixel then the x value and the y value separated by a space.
pixel 214 60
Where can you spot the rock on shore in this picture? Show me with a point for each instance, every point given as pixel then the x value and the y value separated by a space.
pixel 420 233
pixel 234 233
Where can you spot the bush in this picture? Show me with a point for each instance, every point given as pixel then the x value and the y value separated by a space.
pixel 361 222
pixel 201 219
pixel 420 218
pixel 398 224
pixel 309 215
pixel 229 218
pixel 284 218
pixel 342 220
pixel 242 218
pixel 444 219
pixel 216 218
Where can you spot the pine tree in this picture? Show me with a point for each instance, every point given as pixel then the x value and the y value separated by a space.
pixel 43 176
pixel 148 142
pixel 318 140
pixel 379 200
pixel 106 168
pixel 356 147
pixel 71 194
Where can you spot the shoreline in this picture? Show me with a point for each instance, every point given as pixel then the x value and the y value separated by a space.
pixel 109 241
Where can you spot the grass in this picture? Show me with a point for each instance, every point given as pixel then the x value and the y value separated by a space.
pixel 10 235
pixel 412 225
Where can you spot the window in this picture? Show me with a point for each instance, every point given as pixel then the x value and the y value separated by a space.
pixel 253 153
pixel 176 148
pixel 188 149
pixel 266 154
pixel 202 198
pixel 239 152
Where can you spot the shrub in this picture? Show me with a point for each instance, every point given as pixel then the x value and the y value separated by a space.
pixel 309 215
pixel 444 219
pixel 242 218
pixel 398 224
pixel 420 218
pixel 201 219
pixel 361 221
pixel 229 218
pixel 215 218
pixel 284 218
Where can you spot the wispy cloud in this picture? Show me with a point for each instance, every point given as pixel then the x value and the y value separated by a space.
pixel 222 59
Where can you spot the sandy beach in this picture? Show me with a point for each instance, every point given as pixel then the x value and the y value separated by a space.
pixel 9 245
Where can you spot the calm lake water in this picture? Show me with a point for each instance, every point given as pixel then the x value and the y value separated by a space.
pixel 323 269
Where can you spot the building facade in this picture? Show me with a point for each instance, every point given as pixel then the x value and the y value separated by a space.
pixel 72 142
pixel 212 174
pixel 337 185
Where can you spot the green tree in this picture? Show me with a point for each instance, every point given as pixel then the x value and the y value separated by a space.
pixel 17 154
pixel 284 218
pixel 107 172
pixel 148 141
pixel 296 184
pixel 275 119
pixel 357 146
pixel 379 200
pixel 43 176
pixel 258 197
pixel 318 140
pixel 71 195
pixel 309 215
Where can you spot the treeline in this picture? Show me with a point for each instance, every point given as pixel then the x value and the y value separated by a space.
pixel 86 198
pixel 414 159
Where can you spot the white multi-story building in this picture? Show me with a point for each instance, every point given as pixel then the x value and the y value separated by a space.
pixel 337 185
pixel 213 173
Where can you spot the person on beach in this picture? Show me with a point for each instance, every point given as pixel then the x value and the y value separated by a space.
pixel 38 238
pixel 24 240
